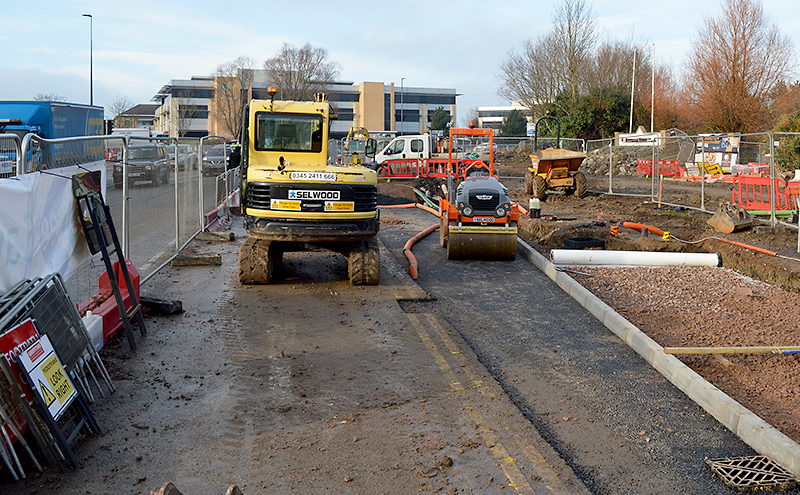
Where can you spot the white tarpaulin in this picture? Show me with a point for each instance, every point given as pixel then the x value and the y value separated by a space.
pixel 40 232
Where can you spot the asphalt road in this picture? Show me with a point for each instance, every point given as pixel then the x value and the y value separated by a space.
pixel 621 426
pixel 488 379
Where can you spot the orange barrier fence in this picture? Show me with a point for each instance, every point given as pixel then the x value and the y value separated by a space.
pixel 665 167
pixel 752 192
pixel 411 168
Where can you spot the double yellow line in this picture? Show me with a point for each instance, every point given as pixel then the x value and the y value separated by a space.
pixel 492 441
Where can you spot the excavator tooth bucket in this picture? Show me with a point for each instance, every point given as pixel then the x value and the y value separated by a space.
pixel 730 218
pixel 476 244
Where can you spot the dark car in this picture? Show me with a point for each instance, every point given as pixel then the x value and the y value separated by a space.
pixel 216 160
pixel 146 162
pixel 187 157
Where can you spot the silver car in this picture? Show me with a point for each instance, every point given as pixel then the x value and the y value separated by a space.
pixel 216 160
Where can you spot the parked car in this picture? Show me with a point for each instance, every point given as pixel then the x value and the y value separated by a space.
pixel 187 156
pixel 216 160
pixel 146 162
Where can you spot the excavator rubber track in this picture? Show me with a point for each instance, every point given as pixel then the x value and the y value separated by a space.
pixel 481 243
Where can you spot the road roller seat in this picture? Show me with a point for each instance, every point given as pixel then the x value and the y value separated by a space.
pixel 477 169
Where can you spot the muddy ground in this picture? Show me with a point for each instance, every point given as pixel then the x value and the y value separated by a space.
pixel 752 301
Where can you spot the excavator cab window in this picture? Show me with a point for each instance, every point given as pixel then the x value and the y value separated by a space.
pixel 288 132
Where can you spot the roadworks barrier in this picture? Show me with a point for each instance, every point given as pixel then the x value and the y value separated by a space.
pixel 751 429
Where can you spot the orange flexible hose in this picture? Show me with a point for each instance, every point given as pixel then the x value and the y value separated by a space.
pixel 428 209
pixel 657 231
pixel 748 246
pixel 523 210
pixel 412 260
pixel 408 205
pixel 640 226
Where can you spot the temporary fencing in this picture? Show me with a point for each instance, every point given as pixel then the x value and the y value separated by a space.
pixel 675 169
pixel 466 155
pixel 10 155
pixel 155 215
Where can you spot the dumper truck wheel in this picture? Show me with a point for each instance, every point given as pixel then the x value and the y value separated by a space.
pixel 580 185
pixel 257 261
pixel 539 188
pixel 364 265
pixel 529 182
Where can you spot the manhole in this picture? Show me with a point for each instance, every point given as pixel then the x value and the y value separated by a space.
pixel 746 474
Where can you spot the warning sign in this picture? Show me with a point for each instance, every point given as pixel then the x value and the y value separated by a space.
pixel 339 206
pixel 46 394
pixel 46 372
pixel 283 204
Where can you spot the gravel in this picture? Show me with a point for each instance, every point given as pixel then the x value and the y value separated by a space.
pixel 715 307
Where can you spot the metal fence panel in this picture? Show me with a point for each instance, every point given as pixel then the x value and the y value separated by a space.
pixel 10 155
pixel 154 215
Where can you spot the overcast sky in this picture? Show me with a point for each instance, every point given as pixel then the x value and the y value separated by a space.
pixel 138 46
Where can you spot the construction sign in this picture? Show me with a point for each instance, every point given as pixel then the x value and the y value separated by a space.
pixel 47 376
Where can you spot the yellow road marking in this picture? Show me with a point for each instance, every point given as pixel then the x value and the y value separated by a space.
pixel 538 462
pixel 515 477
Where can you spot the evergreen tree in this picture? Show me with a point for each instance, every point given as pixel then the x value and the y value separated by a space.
pixel 515 124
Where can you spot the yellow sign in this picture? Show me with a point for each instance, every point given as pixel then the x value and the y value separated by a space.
pixel 284 204
pixel 57 378
pixel 47 395
pixel 53 385
pixel 339 206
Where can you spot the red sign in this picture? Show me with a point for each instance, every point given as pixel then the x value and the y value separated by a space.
pixel 12 343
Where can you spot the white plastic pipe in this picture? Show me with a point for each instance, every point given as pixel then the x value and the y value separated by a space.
pixel 589 257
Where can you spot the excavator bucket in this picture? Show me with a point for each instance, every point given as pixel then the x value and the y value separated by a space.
pixel 481 243
pixel 730 218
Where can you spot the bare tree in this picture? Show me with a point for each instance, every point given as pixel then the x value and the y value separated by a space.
pixel 735 62
pixel 118 106
pixel 470 116
pixel 575 33
pixel 299 73
pixel 49 97
pixel 531 76
pixel 185 113
pixel 232 87
pixel 553 65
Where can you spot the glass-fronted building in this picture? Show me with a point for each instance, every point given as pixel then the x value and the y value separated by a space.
pixel 188 106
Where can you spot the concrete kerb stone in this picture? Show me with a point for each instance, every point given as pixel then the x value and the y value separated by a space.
pixel 754 431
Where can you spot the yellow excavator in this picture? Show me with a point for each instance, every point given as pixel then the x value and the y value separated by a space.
pixel 354 146
pixel 294 200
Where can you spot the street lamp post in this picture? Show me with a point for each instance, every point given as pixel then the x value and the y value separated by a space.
pixel 91 88
pixel 401 105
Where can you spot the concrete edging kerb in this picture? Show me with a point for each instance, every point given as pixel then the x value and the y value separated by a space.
pixel 754 431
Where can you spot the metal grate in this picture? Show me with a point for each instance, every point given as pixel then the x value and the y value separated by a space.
pixel 745 474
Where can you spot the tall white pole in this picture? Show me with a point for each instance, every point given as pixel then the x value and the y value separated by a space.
pixel 91 84
pixel 400 129
pixel 633 86
pixel 653 87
